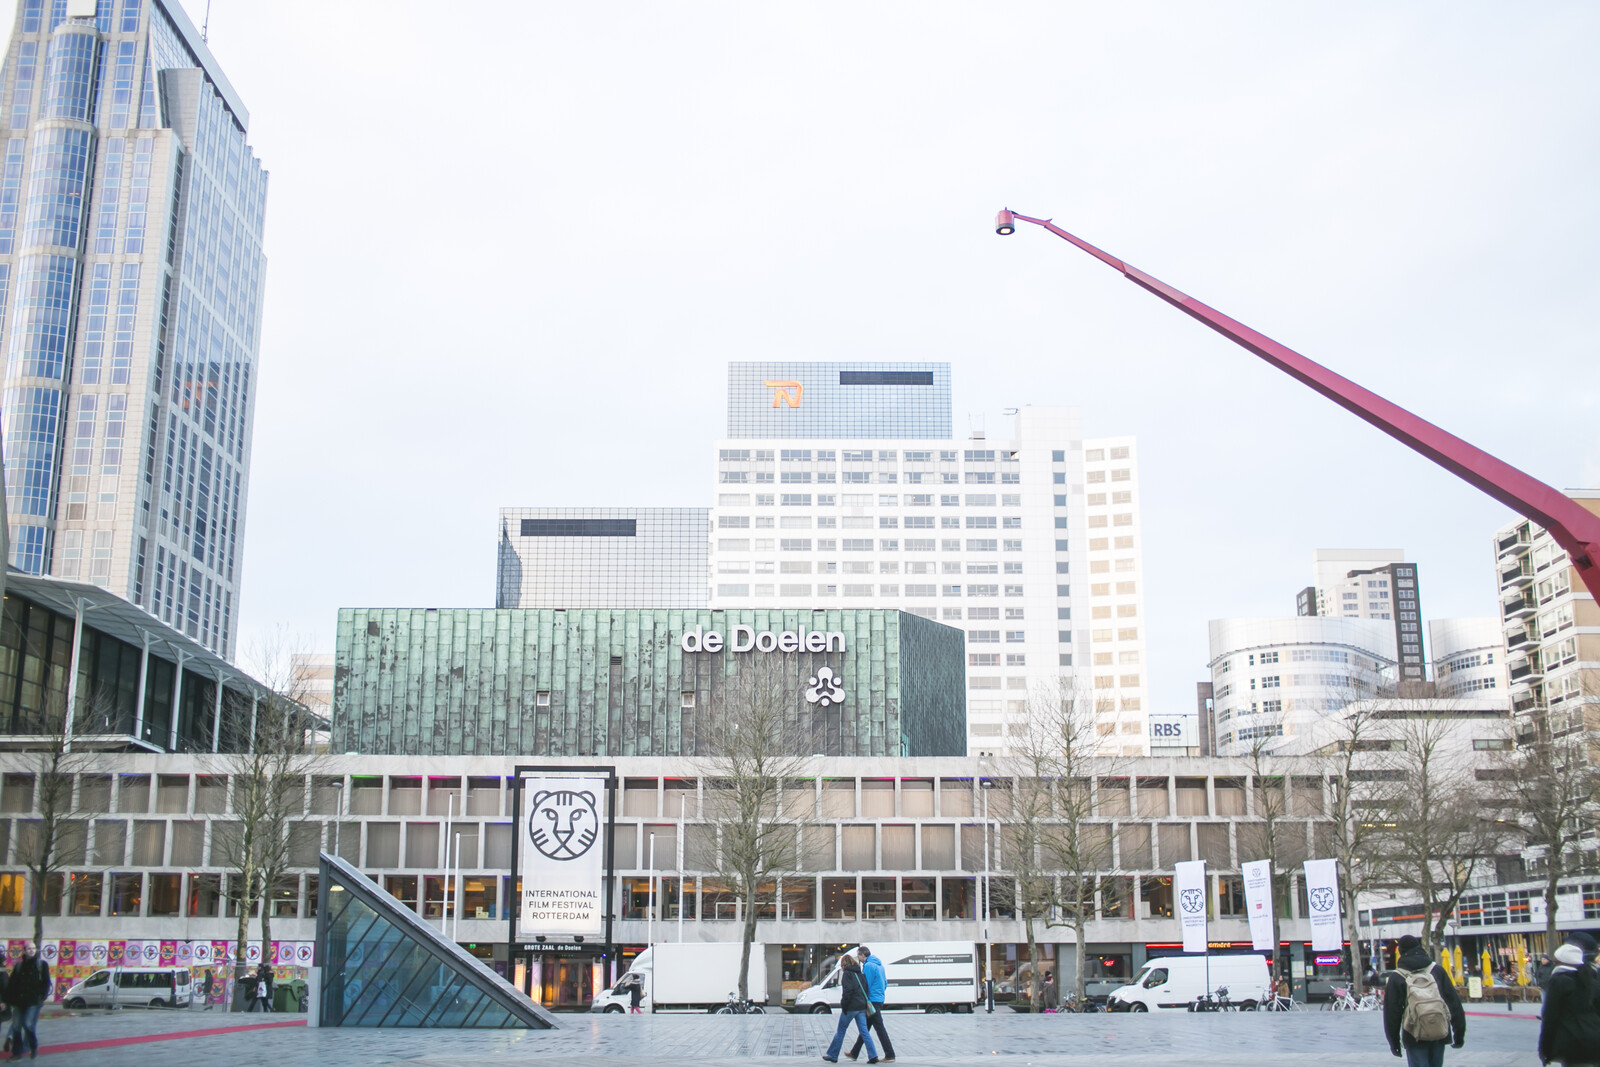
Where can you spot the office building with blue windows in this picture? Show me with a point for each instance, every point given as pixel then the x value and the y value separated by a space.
pixel 131 211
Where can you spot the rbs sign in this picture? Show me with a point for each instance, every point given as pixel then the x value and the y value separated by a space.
pixel 1173 731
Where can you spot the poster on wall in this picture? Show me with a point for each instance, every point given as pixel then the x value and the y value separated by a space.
pixel 1322 896
pixel 561 852
pixel 1258 903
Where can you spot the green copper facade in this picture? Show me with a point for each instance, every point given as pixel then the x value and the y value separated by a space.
pixel 617 682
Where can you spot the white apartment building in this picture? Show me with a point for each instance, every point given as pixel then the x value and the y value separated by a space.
pixel 1468 657
pixel 1371 583
pixel 845 489
pixel 1551 625
pixel 1278 677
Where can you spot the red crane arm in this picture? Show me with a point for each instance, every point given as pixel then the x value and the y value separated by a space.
pixel 1574 528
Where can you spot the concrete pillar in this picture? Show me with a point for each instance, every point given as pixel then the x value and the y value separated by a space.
pixel 177 702
pixel 69 720
pixel 216 716
pixel 144 669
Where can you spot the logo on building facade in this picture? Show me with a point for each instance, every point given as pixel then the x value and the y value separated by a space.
pixel 825 688
pixel 749 639
pixel 783 395
pixel 564 823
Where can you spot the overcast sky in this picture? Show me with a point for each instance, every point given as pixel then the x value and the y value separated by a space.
pixel 513 246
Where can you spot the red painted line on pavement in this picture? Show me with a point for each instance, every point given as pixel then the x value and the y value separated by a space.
pixel 141 1039
pixel 1504 1015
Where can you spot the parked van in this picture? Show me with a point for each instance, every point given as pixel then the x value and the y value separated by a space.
pixel 933 976
pixel 133 987
pixel 1178 981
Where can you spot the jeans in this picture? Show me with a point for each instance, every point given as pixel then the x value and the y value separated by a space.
pixel 845 1019
pixel 876 1019
pixel 25 1021
pixel 1427 1053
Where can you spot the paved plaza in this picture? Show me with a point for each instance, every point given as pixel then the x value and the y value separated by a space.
pixel 1494 1040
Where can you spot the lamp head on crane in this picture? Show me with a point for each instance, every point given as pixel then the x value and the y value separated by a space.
pixel 1005 223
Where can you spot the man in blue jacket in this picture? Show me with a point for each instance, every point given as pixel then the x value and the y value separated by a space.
pixel 877 989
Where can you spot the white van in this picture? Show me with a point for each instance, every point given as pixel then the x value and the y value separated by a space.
pixel 934 976
pixel 133 987
pixel 1178 981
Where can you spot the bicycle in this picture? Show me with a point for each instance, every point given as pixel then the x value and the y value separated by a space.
pixel 1217 1001
pixel 737 1006
pixel 1345 1000
pixel 1272 1001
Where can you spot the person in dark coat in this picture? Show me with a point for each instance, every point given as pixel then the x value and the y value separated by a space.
pixel 1413 958
pixel 27 989
pixel 1542 971
pixel 877 993
pixel 636 996
pixel 853 1005
pixel 208 988
pixel 1569 1027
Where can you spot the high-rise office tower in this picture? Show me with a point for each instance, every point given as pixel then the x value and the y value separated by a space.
pixel 1374 583
pixel 131 210
pixel 602 558
pixel 839 485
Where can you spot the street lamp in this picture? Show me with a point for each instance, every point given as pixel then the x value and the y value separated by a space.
pixel 338 811
pixel 1572 527
pixel 984 785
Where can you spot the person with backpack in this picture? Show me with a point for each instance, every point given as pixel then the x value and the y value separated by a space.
pixel 1421 1008
pixel 853 1007
pixel 26 991
pixel 1569 1026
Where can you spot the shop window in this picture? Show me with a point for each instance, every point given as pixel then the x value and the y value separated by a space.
pixel 918 898
pixel 205 896
pixel 1116 898
pixel 166 894
pixel 1230 896
pixel 1157 897
pixel 717 902
pixel 83 894
pixel 11 894
pixel 958 898
pixel 436 897
pixel 839 898
pixel 478 898
pixel 799 898
pixel 878 899
pixel 635 898
pixel 403 887
pixel 127 894
pixel 1002 898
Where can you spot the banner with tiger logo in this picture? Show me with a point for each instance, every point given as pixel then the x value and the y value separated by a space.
pixel 562 855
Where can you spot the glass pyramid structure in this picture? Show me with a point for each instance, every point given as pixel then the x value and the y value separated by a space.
pixel 383 966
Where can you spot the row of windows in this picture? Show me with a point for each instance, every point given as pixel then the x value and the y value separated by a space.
pixel 914 590
pixel 763 566
pixel 867 522
pixel 863 455
pixel 866 544
pixel 889 500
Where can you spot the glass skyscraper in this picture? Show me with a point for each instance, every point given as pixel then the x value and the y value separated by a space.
pixel 131 210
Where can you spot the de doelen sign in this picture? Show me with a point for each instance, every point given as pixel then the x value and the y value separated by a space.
pixel 749 639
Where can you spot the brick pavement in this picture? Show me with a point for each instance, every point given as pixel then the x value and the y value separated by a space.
pixel 1336 1039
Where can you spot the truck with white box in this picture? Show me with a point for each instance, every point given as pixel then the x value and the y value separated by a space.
pixel 930 976
pixel 686 977
pixel 1176 982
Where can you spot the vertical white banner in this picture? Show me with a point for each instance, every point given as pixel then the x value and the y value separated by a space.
pixel 562 854
pixel 1258 903
pixel 1189 886
pixel 1322 895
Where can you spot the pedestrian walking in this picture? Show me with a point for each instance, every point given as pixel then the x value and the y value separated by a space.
pixel 877 992
pixel 853 1005
pixel 1048 993
pixel 264 987
pixel 1569 1026
pixel 636 996
pixel 207 987
pixel 26 991
pixel 1421 1009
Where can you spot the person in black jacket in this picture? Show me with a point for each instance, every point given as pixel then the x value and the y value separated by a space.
pixel 1569 1028
pixel 26 991
pixel 1419 1053
pixel 853 1005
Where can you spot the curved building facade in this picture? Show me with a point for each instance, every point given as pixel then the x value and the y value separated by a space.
pixel 1274 677
pixel 1468 657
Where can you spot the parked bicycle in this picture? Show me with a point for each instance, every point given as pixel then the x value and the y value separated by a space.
pixel 1217 1001
pixel 738 1006
pixel 1344 999
pixel 1273 1001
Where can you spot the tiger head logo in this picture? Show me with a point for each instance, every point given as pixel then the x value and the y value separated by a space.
pixel 564 823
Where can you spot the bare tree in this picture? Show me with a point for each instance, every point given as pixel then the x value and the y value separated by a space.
pixel 760 744
pixel 1442 822
pixel 268 741
pixel 1552 781
pixel 46 845
pixel 1272 835
pixel 1356 811
pixel 1050 840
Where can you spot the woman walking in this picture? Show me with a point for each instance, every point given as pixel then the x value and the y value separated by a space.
pixel 1569 1032
pixel 853 1006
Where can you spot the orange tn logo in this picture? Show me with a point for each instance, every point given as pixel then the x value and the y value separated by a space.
pixel 783 395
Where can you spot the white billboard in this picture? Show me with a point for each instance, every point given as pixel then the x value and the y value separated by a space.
pixel 561 851
pixel 1174 731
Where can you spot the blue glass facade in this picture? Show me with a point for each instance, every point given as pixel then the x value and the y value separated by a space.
pixel 839 400
pixel 131 214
